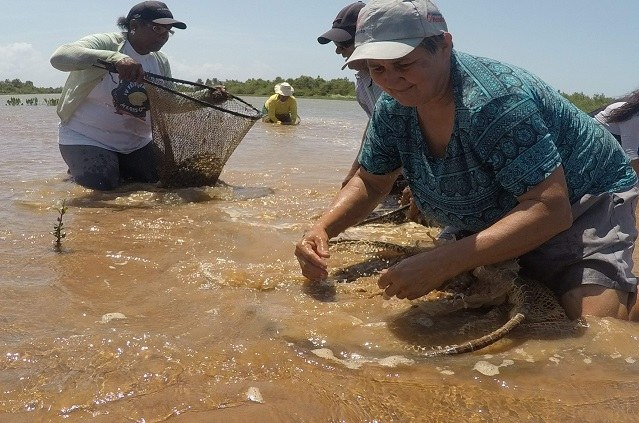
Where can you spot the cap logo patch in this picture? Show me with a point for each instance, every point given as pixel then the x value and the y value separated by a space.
pixel 435 17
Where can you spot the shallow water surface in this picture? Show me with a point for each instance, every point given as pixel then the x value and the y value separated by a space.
pixel 187 305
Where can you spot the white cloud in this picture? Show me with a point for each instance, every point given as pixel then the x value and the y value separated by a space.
pixel 22 61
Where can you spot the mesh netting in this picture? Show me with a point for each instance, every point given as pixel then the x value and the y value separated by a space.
pixel 523 301
pixel 193 138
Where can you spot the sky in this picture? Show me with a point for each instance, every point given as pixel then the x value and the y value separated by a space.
pixel 587 46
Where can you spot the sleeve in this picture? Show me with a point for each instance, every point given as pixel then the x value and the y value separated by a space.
pixel 271 109
pixel 293 109
pixel 86 52
pixel 379 154
pixel 515 141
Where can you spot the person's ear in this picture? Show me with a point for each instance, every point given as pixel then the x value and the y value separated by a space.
pixel 448 41
pixel 133 26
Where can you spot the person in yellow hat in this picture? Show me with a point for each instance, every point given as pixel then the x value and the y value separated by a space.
pixel 281 107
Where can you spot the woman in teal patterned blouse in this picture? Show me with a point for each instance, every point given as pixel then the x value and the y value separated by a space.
pixel 494 151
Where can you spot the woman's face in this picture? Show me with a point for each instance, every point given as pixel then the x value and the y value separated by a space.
pixel 416 78
pixel 149 36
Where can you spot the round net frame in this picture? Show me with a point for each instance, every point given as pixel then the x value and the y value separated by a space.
pixel 193 137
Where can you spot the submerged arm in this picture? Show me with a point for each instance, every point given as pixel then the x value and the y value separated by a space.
pixel 354 202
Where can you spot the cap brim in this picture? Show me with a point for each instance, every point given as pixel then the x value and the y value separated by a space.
pixel 334 35
pixel 383 50
pixel 169 21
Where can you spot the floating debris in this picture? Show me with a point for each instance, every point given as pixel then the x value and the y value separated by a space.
pixel 106 318
pixel 489 369
pixel 253 394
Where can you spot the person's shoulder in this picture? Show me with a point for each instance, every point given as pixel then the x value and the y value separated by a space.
pixel 116 37
pixel 480 81
pixel 492 74
pixel 162 55
pixel 494 66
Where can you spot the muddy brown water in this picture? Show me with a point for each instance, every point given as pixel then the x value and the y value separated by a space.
pixel 187 305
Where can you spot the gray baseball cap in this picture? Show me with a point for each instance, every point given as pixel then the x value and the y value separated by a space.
pixel 390 29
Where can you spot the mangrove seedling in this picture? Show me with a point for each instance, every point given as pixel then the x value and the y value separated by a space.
pixel 58 228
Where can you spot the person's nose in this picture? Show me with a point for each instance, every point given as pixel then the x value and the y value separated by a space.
pixel 389 78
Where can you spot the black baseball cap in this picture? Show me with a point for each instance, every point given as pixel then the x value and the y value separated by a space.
pixel 156 12
pixel 343 26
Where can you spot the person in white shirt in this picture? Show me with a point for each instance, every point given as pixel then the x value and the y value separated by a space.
pixel 105 128
pixel 622 120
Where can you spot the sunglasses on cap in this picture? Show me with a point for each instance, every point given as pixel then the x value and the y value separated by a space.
pixel 158 29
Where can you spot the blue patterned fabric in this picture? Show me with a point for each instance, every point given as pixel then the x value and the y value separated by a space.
pixel 511 131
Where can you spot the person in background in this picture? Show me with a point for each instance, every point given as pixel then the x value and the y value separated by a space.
pixel 342 34
pixel 105 130
pixel 281 107
pixel 622 120
pixel 491 149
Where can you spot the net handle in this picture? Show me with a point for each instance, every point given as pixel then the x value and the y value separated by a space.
pixel 110 67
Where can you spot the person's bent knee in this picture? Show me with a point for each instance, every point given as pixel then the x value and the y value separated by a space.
pixel 633 307
pixel 598 301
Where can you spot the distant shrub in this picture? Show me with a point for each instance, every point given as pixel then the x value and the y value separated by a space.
pixel 14 101
pixel 586 103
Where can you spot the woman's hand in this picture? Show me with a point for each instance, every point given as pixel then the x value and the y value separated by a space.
pixel 130 70
pixel 216 94
pixel 416 276
pixel 311 252
pixel 413 214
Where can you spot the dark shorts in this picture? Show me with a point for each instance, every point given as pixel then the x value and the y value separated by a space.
pixel 597 249
pixel 101 169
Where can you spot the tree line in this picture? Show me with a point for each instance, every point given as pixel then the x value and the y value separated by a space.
pixel 305 86
pixel 16 86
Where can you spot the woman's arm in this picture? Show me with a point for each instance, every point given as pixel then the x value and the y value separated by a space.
pixel 293 110
pixel 86 52
pixel 542 212
pixel 270 108
pixel 353 203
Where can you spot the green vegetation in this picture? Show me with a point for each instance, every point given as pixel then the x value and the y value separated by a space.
pixel 586 103
pixel 18 87
pixel 15 101
pixel 58 228
pixel 305 86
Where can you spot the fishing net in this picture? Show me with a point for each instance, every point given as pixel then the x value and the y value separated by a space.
pixel 194 135
pixel 511 300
